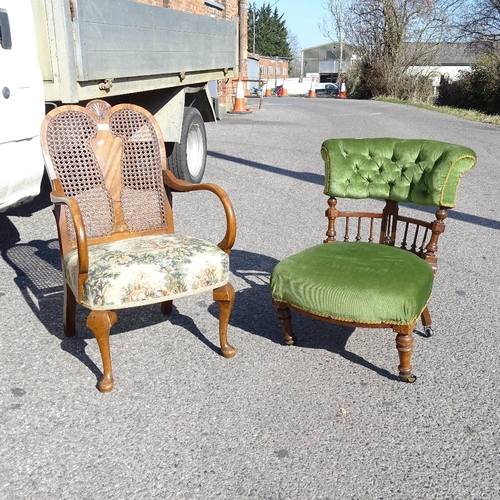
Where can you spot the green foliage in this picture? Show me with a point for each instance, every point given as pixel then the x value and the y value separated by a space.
pixel 366 81
pixel 477 89
pixel 271 33
pixel 466 114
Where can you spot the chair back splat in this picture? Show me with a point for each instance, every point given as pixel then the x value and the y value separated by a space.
pixel 111 192
pixel 417 236
pixel 377 269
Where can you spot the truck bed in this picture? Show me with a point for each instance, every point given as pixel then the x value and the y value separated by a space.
pixel 137 46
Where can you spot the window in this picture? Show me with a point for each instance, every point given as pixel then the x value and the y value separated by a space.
pixel 5 40
pixel 284 71
pixel 269 70
pixel 216 5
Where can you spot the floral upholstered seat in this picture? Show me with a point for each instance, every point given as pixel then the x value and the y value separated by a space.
pixel 148 269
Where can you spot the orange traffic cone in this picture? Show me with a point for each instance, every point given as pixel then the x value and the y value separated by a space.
pixel 239 101
pixel 284 92
pixel 312 91
pixel 268 89
pixel 343 91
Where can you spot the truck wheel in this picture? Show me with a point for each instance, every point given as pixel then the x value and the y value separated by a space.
pixel 187 159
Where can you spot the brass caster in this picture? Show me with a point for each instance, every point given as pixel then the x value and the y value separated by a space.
pixel 408 378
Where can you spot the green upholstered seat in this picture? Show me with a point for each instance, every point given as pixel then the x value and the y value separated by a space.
pixel 355 282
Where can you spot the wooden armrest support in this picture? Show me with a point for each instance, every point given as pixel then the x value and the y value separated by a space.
pixel 58 198
pixel 173 182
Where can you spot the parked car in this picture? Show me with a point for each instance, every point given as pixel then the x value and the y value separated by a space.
pixel 330 89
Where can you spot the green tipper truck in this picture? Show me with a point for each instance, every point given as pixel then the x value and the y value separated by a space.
pixel 120 51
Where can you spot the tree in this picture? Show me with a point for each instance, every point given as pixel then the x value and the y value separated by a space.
pixel 481 22
pixel 391 37
pixel 267 32
pixel 335 24
pixel 294 64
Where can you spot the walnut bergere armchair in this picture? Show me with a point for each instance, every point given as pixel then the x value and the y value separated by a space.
pixel 111 192
pixel 385 282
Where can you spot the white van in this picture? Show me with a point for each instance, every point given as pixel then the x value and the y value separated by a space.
pixel 22 105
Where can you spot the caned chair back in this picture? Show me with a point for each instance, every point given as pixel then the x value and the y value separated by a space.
pixel 110 160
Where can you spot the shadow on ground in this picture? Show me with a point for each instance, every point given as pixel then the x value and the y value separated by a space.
pixel 39 279
pixel 254 313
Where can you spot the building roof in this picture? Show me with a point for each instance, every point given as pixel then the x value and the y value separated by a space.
pixel 446 53
pixel 456 54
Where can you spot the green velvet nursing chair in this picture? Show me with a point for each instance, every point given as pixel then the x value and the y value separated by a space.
pixel 385 281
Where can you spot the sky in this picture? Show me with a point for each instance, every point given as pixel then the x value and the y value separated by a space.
pixel 301 18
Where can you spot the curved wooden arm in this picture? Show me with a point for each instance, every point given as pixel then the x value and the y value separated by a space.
pixel 58 198
pixel 173 182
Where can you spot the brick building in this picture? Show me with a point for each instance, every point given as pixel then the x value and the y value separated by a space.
pixel 274 69
pixel 224 9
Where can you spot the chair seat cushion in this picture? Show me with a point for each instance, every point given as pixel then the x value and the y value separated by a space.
pixel 148 269
pixel 355 282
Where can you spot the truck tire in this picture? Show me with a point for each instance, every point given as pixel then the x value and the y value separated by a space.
pixel 187 159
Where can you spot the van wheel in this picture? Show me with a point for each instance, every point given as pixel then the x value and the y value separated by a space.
pixel 187 159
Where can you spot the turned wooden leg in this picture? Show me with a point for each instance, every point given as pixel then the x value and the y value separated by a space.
pixel 69 311
pixel 224 296
pixel 285 317
pixel 427 322
pixel 167 306
pixel 100 322
pixel 404 344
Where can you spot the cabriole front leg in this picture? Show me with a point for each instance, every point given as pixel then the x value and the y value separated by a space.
pixel 224 296
pixel 100 323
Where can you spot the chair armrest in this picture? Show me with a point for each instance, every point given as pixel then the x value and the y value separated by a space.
pixel 173 182
pixel 58 198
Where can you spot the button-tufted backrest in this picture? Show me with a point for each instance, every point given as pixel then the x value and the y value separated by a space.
pixel 419 171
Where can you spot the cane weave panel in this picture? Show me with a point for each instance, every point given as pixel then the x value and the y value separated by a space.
pixel 68 138
pixel 142 194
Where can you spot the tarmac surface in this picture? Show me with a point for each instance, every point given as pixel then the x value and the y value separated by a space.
pixel 325 419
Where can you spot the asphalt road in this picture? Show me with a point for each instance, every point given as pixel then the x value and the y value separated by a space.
pixel 325 419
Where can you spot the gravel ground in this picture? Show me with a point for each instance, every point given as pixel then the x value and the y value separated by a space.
pixel 325 419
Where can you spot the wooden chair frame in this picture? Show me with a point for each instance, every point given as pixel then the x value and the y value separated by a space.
pixel 414 235
pixel 72 220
